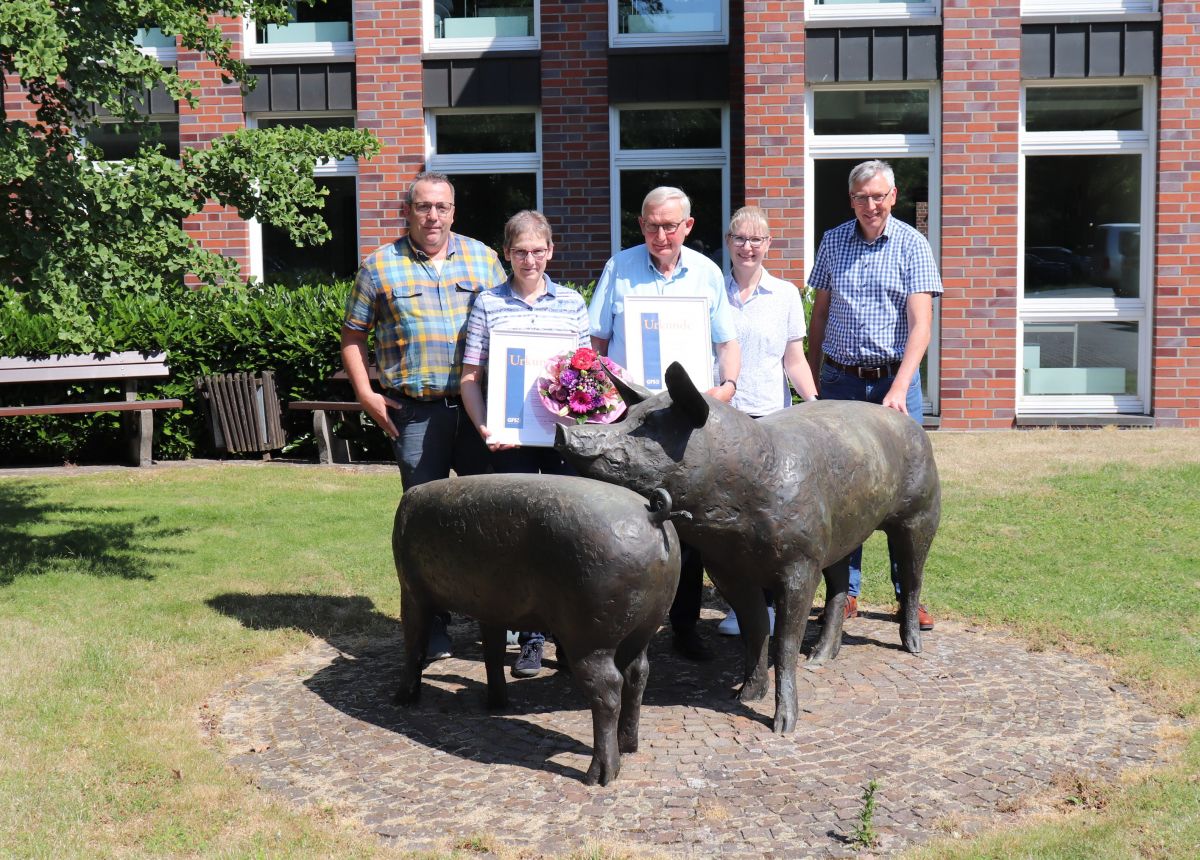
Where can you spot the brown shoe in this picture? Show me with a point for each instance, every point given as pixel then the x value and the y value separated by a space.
pixel 850 610
pixel 924 619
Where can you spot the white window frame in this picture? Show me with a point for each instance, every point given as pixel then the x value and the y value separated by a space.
pixel 645 40
pixel 914 12
pixel 289 53
pixel 485 162
pixel 433 45
pixel 343 167
pixel 657 159
pixel 1071 10
pixel 1067 310
pixel 883 146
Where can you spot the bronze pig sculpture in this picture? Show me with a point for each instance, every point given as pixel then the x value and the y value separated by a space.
pixel 774 502
pixel 587 560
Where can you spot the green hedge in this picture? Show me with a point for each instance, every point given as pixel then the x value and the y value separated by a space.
pixel 291 330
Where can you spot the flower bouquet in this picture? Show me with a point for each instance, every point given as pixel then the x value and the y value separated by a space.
pixel 578 386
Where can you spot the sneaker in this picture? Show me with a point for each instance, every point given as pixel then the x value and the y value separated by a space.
pixel 530 661
pixel 729 626
pixel 439 640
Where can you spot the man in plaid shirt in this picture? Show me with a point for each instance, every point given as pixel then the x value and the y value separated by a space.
pixel 416 293
pixel 872 318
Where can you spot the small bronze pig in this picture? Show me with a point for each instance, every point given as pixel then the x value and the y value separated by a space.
pixel 591 562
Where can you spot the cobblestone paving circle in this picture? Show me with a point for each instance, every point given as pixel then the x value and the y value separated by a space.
pixel 960 736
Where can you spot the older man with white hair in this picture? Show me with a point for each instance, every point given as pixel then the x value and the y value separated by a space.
pixel 665 266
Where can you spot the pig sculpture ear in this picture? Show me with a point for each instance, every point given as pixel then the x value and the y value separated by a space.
pixel 684 395
pixel 629 390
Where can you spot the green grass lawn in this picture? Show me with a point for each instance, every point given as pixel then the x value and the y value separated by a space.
pixel 128 597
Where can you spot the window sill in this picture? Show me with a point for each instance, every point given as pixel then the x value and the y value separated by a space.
pixel 1085 421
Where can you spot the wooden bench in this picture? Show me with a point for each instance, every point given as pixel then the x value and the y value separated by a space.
pixel 128 367
pixel 331 449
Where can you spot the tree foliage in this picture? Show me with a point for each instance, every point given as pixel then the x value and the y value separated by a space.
pixel 75 230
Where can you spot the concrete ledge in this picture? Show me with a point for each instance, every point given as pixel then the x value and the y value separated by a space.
pixel 1085 421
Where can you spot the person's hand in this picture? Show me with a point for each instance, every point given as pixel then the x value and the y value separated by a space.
pixel 485 434
pixel 723 392
pixel 376 406
pixel 897 398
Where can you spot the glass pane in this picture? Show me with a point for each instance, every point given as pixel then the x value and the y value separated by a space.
pixel 677 128
pixel 120 140
pixel 484 201
pixel 1081 358
pixel 703 186
pixel 1083 108
pixel 832 192
pixel 497 132
pixel 669 16
pixel 466 19
pixel 1082 230
pixel 283 262
pixel 316 122
pixel 152 37
pixel 322 22
pixel 871 111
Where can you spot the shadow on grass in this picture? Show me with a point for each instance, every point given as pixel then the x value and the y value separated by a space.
pixel 39 536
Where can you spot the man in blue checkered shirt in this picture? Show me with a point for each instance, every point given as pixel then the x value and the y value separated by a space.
pixel 872 318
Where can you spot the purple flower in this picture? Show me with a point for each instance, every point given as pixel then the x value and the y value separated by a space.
pixel 569 377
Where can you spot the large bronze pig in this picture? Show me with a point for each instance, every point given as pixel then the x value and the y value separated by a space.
pixel 775 501
pixel 589 561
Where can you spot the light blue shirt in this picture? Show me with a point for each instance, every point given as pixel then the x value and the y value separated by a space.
pixel 559 309
pixel 767 322
pixel 632 273
pixel 870 283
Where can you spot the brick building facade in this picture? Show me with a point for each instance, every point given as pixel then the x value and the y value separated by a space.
pixel 1048 148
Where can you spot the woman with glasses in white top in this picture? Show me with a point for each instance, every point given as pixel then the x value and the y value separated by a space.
pixel 770 331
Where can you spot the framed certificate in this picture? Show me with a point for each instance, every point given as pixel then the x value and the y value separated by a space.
pixel 663 329
pixel 515 414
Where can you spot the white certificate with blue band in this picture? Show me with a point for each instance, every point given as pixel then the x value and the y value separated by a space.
pixel 515 414
pixel 663 329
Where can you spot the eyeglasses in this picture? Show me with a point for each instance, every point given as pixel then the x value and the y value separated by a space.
pixel 861 199
pixel 669 229
pixel 538 254
pixel 426 208
pixel 752 241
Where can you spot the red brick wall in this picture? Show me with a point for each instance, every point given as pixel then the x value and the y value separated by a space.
pixel 980 113
pixel 774 127
pixel 17 107
pixel 575 179
pixel 387 45
pixel 218 111
pixel 1176 360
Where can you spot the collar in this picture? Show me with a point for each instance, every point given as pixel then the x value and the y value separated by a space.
pixel 506 289
pixel 680 265
pixel 884 236
pixel 763 286
pixel 417 254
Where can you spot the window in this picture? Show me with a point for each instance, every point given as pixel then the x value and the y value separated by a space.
pixel 686 146
pixel 323 30
pixel 869 11
pixel 1036 8
pixel 896 122
pixel 494 159
pixel 1087 217
pixel 119 139
pixel 274 258
pixel 667 22
pixel 465 25
pixel 155 43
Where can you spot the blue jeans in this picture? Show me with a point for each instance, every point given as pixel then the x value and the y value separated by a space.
pixel 435 437
pixel 837 384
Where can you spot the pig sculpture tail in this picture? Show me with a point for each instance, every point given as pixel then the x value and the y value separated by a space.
pixel 660 508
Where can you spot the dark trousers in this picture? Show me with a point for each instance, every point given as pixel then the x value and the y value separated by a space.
pixel 685 610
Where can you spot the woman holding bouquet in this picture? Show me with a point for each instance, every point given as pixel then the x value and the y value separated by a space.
pixel 528 301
